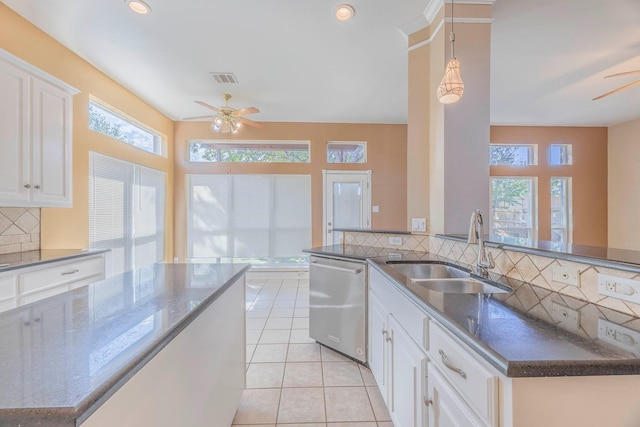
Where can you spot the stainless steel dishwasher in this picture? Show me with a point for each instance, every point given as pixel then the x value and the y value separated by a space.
pixel 338 305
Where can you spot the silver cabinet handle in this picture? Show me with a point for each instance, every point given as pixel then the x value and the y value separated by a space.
pixel 37 187
pixel 331 267
pixel 27 186
pixel 445 361
pixel 69 272
pixel 384 332
pixel 428 401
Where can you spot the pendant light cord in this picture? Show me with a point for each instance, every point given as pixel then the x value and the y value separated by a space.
pixel 452 36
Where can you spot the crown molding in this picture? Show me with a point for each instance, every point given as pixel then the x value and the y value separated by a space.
pixel 431 12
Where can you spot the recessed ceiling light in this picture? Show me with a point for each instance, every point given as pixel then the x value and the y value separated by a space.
pixel 344 12
pixel 138 6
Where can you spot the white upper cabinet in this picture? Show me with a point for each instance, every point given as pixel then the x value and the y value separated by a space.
pixel 35 136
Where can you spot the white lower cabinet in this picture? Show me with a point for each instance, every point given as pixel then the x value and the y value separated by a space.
pixel 446 408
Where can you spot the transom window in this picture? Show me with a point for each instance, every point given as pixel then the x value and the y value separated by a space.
pixel 111 123
pixel 560 154
pixel 346 152
pixel 249 151
pixel 513 155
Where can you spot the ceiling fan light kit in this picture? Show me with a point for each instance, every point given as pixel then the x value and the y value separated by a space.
pixel 228 119
pixel 451 86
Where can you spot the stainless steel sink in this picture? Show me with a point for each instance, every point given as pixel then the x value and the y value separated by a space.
pixel 458 286
pixel 428 271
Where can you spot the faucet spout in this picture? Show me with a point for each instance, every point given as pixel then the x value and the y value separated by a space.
pixel 476 236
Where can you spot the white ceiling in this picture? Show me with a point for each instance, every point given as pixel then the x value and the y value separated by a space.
pixel 296 63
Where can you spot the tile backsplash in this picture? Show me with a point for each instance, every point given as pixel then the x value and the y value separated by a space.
pixel 532 269
pixel 19 230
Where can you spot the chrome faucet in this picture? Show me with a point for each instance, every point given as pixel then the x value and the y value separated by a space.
pixel 476 236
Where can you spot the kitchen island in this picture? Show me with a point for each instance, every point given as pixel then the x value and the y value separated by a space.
pixel 158 346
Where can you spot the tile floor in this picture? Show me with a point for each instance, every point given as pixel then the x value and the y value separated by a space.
pixel 291 380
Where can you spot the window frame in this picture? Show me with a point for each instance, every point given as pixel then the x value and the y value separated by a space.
pixel 265 143
pixel 159 140
pixel 534 203
pixel 362 143
pixel 533 151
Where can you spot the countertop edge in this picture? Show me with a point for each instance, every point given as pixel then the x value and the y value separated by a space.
pixel 80 254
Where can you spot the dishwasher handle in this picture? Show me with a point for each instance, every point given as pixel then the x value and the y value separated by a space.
pixel 331 267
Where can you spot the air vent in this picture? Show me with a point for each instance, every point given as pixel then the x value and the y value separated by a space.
pixel 224 77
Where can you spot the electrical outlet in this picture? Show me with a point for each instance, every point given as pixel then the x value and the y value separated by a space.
pixel 618 287
pixel 418 224
pixel 566 318
pixel 569 276
pixel 375 209
pixel 395 240
pixel 620 336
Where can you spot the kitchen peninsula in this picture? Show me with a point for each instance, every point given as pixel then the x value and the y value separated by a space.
pixel 162 345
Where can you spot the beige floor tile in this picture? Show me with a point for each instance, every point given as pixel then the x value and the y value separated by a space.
pixel 329 355
pixel 253 336
pixel 341 374
pixel 256 323
pixel 258 313
pixel 265 375
pixel 275 336
pixel 284 304
pixel 253 425
pixel 301 336
pixel 258 406
pixel 304 353
pixel 281 312
pixel 302 425
pixel 279 323
pixel 249 353
pixel 301 312
pixel 363 424
pixel 300 323
pixel 348 404
pixel 377 403
pixel 298 405
pixel 302 303
pixel 303 374
pixel 385 424
pixel 262 304
pixel 265 353
pixel 367 376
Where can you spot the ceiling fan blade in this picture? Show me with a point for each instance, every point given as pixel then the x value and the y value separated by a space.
pixel 245 111
pixel 627 73
pixel 200 117
pixel 250 123
pixel 211 107
pixel 637 82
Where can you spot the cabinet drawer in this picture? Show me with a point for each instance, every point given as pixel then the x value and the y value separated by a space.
pixel 7 287
pixel 37 296
pixel 409 315
pixel 469 377
pixel 60 274
pixel 85 282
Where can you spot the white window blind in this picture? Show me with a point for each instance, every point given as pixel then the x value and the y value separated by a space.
pixel 126 213
pixel 264 218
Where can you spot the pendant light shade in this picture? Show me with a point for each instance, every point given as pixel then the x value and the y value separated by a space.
pixel 451 87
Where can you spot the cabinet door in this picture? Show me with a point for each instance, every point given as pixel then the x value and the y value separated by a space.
pixel 51 145
pixel 447 409
pixel 408 371
pixel 377 346
pixel 14 134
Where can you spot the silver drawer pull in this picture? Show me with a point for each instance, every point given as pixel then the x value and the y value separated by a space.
pixel 331 267
pixel 445 361
pixel 69 272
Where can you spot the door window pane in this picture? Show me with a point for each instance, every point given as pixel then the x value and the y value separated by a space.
pixel 561 210
pixel 347 205
pixel 513 207
pixel 513 155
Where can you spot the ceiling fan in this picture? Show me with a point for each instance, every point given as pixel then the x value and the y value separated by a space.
pixel 621 88
pixel 228 119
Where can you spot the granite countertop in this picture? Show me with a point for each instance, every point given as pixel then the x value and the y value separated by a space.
pixel 17 260
pixel 63 356
pixel 516 331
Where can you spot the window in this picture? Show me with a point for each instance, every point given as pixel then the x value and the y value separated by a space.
pixel 513 155
pixel 252 218
pixel 115 125
pixel 514 207
pixel 561 212
pixel 249 151
pixel 560 154
pixel 126 213
pixel 346 152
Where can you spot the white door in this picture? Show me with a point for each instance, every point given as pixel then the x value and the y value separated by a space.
pixel 347 202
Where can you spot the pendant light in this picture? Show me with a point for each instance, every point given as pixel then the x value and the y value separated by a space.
pixel 451 87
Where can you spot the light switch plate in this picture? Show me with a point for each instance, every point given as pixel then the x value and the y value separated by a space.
pixel 566 318
pixel 618 335
pixel 618 287
pixel 418 224
pixel 375 209
pixel 395 240
pixel 569 276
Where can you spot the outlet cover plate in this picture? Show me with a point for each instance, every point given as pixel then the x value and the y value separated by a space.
pixel 567 318
pixel 618 287
pixel 568 276
pixel 395 240
pixel 418 224
pixel 619 336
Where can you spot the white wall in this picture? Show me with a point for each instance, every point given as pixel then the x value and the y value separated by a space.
pixel 624 185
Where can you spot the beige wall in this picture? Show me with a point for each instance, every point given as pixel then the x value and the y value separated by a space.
pixel 69 227
pixel 588 173
pixel 624 185
pixel 386 158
